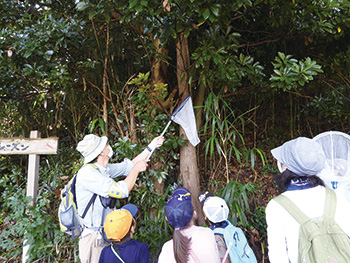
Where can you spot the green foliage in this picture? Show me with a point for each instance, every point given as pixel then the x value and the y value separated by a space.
pixel 151 116
pixel 225 140
pixel 244 211
pixel 237 197
pixel 8 194
pixel 148 96
pixel 220 66
pixel 332 105
pixel 258 220
pixel 98 124
pixel 56 56
pixel 36 65
pixel 35 226
pixel 123 148
pixel 143 86
pixel 290 73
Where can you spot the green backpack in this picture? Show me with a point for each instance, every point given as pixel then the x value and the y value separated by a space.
pixel 321 240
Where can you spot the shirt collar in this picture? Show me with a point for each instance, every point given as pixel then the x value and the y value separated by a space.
pixel 101 168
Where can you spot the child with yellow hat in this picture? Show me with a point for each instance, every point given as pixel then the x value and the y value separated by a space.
pixel 119 227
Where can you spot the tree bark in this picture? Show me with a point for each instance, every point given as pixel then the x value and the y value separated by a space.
pixel 199 101
pixel 188 158
pixel 159 67
pixel 133 130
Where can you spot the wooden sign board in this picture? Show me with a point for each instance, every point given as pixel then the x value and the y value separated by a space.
pixel 34 147
pixel 10 146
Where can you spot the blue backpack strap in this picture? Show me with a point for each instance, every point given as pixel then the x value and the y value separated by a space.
pixel 228 231
pixel 92 200
pixel 239 251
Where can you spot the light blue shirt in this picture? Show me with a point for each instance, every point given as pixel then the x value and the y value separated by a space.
pixel 91 180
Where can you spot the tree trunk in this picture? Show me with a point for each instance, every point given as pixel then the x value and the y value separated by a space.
pixel 158 75
pixel 159 67
pixel 199 101
pixel 133 135
pixel 188 159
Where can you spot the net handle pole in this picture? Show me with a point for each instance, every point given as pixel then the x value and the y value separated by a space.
pixel 162 134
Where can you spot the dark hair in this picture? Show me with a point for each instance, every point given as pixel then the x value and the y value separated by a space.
pixel 181 246
pixel 127 236
pixel 283 180
pixel 94 160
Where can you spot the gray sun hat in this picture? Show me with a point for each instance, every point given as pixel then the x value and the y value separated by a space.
pixel 91 146
pixel 302 156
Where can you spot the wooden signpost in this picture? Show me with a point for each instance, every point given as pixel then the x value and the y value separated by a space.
pixel 34 147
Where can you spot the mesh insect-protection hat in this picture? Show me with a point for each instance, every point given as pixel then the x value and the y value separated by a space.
pixel 216 209
pixel 302 156
pixel 91 146
pixel 179 209
pixel 118 222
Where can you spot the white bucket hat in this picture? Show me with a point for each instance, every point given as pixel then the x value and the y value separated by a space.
pixel 91 146
pixel 302 156
pixel 216 209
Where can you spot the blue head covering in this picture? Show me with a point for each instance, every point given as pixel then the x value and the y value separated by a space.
pixel 179 209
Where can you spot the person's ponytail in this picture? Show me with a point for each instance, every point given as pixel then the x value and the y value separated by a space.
pixel 181 247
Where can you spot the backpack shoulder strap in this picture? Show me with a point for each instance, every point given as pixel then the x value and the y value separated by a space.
pixel 93 166
pixel 291 208
pixel 331 204
pixel 93 197
pixel 92 200
pixel 116 252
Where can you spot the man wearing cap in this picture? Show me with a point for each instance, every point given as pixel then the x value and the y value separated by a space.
pixel 299 161
pixel 98 179
pixel 119 228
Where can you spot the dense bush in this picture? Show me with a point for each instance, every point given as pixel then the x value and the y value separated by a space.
pixel 39 226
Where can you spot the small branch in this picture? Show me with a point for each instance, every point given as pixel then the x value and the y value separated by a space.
pixel 261 43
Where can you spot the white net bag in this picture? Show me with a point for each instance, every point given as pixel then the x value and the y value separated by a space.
pixel 336 173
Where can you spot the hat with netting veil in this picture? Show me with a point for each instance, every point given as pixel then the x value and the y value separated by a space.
pixel 216 209
pixel 179 209
pixel 302 156
pixel 91 146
